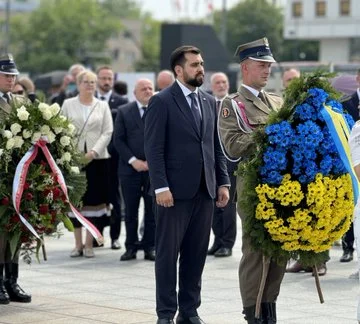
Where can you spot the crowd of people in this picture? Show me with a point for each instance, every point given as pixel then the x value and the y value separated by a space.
pixel 176 147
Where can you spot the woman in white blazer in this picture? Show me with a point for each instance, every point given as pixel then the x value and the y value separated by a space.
pixel 93 121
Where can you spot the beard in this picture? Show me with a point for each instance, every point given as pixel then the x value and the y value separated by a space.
pixel 106 88
pixel 197 81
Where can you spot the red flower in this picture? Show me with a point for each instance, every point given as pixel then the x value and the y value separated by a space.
pixel 29 196
pixel 43 209
pixel 56 193
pixel 26 185
pixel 5 201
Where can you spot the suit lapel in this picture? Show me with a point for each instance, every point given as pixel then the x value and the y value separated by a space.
pixel 255 100
pixel 136 115
pixel 183 105
pixel 205 112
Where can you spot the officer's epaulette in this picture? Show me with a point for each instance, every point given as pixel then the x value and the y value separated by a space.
pixel 345 98
pixel 273 94
pixel 233 95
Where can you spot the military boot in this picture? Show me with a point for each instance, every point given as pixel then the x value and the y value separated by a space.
pixel 250 316
pixel 268 311
pixel 4 297
pixel 14 290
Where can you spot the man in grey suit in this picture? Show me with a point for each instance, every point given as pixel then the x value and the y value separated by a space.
pixel 187 171
pixel 9 288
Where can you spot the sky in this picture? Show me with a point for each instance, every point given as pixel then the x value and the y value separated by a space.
pixel 173 10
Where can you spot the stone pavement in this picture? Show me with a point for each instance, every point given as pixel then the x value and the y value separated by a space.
pixel 105 290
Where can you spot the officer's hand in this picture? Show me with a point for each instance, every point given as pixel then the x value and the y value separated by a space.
pixel 165 199
pixel 223 197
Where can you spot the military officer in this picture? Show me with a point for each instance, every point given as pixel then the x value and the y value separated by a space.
pixel 241 113
pixel 9 265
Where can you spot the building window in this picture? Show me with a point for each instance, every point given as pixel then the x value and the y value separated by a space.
pixel 320 8
pixel 297 9
pixel 344 7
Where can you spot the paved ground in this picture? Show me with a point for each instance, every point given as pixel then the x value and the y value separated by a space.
pixel 105 290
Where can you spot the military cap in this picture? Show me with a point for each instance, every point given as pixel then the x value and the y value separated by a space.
pixel 258 50
pixel 7 65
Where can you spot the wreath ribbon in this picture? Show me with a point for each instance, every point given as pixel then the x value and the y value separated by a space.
pixel 20 179
pixel 340 132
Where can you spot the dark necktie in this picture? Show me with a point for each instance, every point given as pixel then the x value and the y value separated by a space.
pixel 262 98
pixel 144 111
pixel 218 104
pixel 195 110
pixel 102 98
pixel 6 97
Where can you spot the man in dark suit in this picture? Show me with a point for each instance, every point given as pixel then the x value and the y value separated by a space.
pixel 9 288
pixel 224 219
pixel 133 171
pixel 105 82
pixel 352 106
pixel 187 172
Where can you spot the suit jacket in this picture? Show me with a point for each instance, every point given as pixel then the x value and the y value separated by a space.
pixel 129 137
pixel 177 154
pixel 115 100
pixel 351 105
pixel 236 136
pixel 98 130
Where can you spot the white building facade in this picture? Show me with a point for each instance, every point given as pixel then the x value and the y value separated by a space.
pixel 335 23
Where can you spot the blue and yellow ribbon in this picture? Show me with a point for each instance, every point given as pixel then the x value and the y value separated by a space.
pixel 340 132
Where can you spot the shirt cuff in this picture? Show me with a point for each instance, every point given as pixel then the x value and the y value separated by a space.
pixel 132 159
pixel 157 191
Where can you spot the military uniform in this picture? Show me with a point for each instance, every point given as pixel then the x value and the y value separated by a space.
pixel 241 113
pixel 9 265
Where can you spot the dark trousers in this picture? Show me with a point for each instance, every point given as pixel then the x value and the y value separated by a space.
pixel 134 187
pixel 348 240
pixel 184 230
pixel 115 218
pixel 224 220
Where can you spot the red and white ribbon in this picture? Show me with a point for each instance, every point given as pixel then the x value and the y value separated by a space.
pixel 20 179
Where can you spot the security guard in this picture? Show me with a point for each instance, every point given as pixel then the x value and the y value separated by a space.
pixel 241 113
pixel 9 265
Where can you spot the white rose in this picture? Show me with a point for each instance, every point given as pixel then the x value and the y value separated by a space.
pixel 75 170
pixel 18 141
pixel 45 129
pixel 43 106
pixel 26 133
pixel 1 151
pixel 51 137
pixel 10 143
pixel 15 128
pixel 62 118
pixel 65 140
pixel 66 157
pixel 47 115
pixel 36 136
pixel 55 109
pixel 59 161
pixel 7 134
pixel 58 130
pixel 71 129
pixel 22 113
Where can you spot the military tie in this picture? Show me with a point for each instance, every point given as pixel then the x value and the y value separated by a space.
pixel 6 97
pixel 195 110
pixel 262 98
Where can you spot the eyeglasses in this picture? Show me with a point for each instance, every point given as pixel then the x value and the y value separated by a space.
pixel 20 92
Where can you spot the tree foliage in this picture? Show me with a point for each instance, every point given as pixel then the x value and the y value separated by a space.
pixel 61 32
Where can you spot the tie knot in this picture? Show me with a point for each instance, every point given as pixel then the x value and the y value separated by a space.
pixel 102 98
pixel 262 97
pixel 192 95
pixel 6 97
